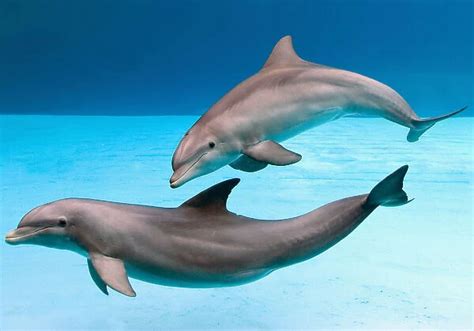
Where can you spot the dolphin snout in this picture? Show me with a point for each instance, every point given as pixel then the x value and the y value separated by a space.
pixel 21 234
pixel 175 164
pixel 185 173
pixel 174 180
pixel 12 236
pixel 183 153
pixel 179 177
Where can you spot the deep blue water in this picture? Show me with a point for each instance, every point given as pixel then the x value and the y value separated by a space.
pixel 179 57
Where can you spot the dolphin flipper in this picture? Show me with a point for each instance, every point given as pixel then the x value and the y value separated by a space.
pixel 96 278
pixel 247 164
pixel 112 272
pixel 272 153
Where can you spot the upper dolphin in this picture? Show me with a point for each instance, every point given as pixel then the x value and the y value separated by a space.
pixel 287 96
pixel 200 243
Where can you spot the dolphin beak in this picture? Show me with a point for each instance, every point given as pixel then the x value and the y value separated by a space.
pixel 19 235
pixel 184 174
pixel 174 181
pixel 179 177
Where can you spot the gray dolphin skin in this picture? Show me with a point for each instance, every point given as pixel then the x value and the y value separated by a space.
pixel 286 97
pixel 198 244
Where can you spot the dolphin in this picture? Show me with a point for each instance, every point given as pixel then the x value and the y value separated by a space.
pixel 286 97
pixel 198 244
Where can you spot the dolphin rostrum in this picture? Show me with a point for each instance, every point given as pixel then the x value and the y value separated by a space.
pixel 198 244
pixel 286 97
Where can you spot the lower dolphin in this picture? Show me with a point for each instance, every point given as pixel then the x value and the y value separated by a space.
pixel 198 244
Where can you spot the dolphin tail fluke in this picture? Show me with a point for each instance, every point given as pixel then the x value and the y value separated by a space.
pixel 389 192
pixel 420 126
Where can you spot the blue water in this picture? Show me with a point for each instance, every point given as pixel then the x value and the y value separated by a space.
pixel 178 57
pixel 403 268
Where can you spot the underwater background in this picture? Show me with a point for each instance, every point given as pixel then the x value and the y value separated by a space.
pixel 65 65
pixel 403 267
pixel 178 57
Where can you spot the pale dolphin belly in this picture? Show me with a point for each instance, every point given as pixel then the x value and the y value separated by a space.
pixel 175 279
pixel 318 118
pixel 162 253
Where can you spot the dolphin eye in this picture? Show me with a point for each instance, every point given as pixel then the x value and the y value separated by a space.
pixel 212 144
pixel 62 222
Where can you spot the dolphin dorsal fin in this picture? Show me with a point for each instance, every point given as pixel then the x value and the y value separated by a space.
pixel 214 198
pixel 283 55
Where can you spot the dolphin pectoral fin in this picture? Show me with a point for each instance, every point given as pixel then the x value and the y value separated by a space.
pixel 247 164
pixel 96 278
pixel 271 152
pixel 112 272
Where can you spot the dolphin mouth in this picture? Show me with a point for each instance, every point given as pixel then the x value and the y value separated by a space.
pixel 20 234
pixel 177 179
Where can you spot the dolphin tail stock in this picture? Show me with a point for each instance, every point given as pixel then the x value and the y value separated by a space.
pixel 389 192
pixel 421 125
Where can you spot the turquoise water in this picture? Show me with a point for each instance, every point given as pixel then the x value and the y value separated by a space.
pixel 404 268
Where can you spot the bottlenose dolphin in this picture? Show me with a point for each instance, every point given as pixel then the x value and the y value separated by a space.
pixel 198 244
pixel 286 97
